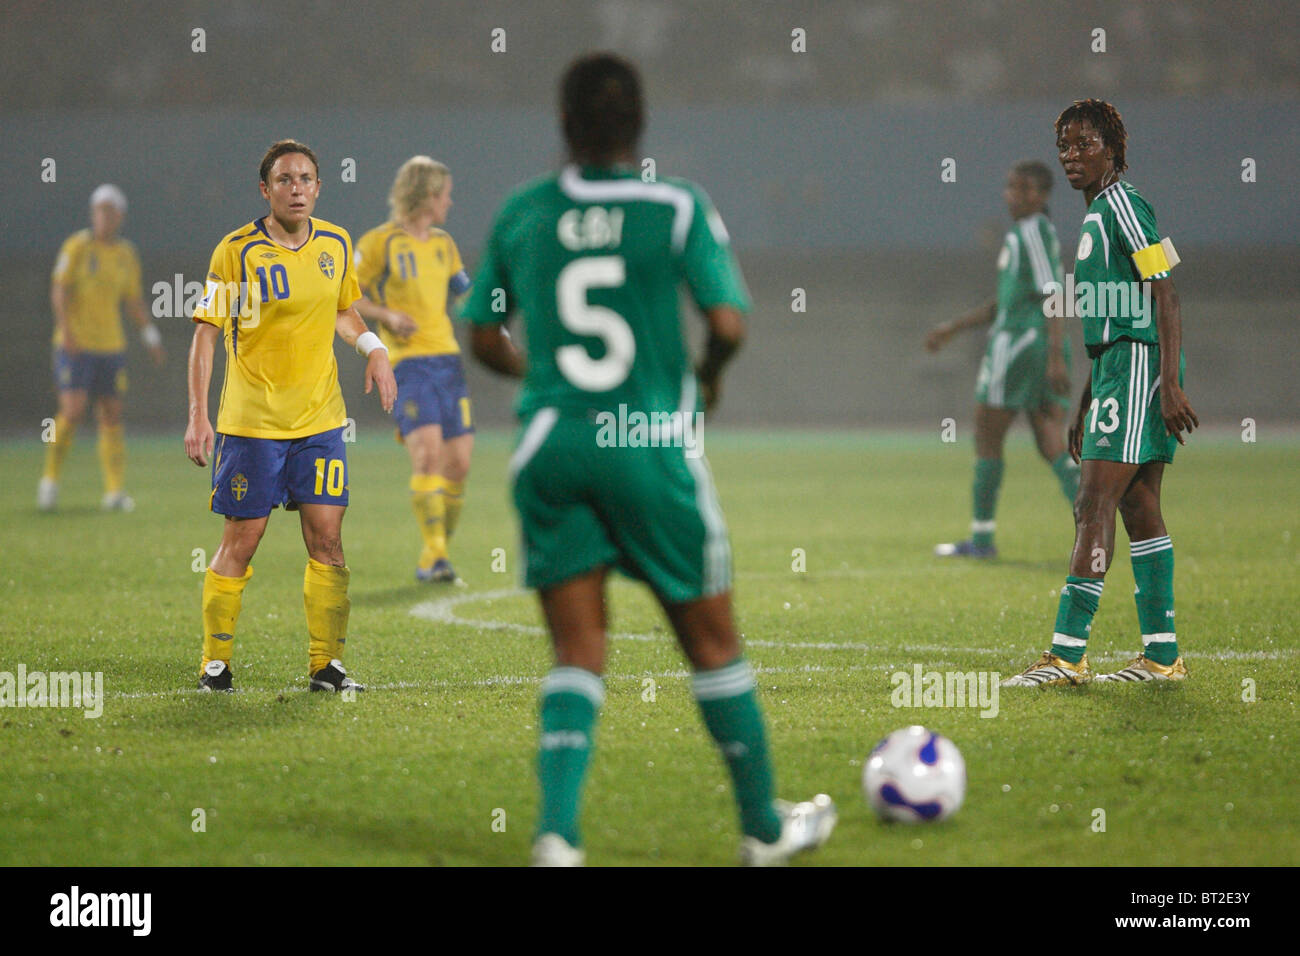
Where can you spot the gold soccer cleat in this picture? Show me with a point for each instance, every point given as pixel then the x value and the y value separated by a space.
pixel 1051 671
pixel 1142 668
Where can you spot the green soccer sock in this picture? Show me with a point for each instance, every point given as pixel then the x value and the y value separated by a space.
pixel 1067 473
pixel 571 697
pixel 1079 600
pixel 1153 572
pixel 728 700
pixel 988 480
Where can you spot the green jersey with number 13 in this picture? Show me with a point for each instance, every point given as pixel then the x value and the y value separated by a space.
pixel 593 258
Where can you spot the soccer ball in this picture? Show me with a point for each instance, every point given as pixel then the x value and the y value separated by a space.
pixel 915 776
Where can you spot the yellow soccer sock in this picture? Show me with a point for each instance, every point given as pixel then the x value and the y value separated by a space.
pixel 222 597
pixel 428 502
pixel 453 497
pixel 112 456
pixel 57 451
pixel 325 599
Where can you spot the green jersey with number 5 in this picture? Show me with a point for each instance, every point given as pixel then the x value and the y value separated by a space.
pixel 593 258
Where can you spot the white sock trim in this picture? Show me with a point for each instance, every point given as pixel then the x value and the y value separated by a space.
pixel 1065 640
pixel 731 681
pixel 1166 637
pixel 574 680
pixel 1150 546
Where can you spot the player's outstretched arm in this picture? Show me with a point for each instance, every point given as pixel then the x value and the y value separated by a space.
pixel 379 373
pixel 198 433
pixel 938 336
pixel 492 345
pixel 726 333
pixel 1174 406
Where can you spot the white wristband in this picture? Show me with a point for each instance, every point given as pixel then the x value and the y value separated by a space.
pixel 150 336
pixel 367 342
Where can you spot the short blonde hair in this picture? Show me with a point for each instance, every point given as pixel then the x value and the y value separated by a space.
pixel 419 178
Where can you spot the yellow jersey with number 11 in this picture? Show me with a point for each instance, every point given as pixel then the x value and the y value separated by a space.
pixel 415 276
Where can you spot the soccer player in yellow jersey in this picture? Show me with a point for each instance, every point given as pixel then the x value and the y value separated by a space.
pixel 278 290
pixel 408 269
pixel 95 275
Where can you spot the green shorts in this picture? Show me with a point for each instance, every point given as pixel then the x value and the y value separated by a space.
pixel 1124 421
pixel 1013 374
pixel 652 512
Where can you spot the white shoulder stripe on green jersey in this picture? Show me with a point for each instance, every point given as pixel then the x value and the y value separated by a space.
pixel 1039 264
pixel 1125 216
pixel 533 438
pixel 633 190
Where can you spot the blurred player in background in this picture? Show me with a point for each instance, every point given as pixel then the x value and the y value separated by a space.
pixel 278 290
pixel 1132 411
pixel 408 268
pixel 593 257
pixel 1026 366
pixel 95 274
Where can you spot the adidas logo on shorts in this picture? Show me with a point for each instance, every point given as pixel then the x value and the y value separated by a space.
pixel 1103 442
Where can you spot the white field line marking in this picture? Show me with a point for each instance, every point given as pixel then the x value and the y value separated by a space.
pixel 442 611
pixel 679 674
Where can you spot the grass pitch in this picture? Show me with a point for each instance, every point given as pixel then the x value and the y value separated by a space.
pixel 434 764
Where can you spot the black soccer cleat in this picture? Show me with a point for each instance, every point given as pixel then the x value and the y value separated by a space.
pixel 332 677
pixel 216 677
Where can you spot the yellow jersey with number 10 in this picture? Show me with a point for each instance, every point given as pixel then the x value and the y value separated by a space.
pixel 277 308
pixel 414 276
pixel 97 278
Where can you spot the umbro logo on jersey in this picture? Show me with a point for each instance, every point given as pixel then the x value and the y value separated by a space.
pixel 268 255
pixel 326 263
pixel 1103 442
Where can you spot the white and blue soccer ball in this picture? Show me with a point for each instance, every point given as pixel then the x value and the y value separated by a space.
pixel 915 776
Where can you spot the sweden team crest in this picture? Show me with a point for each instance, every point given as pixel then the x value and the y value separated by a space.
pixel 326 263
pixel 239 486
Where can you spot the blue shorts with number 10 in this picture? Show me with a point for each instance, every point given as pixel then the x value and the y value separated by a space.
pixel 250 476
pixel 431 390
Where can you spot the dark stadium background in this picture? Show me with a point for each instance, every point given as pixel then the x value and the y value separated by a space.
pixel 825 165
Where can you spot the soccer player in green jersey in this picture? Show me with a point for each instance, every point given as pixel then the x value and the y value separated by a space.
pixel 593 257
pixel 1026 366
pixel 1132 411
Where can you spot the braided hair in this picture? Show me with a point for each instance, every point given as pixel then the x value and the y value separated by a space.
pixel 1105 119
